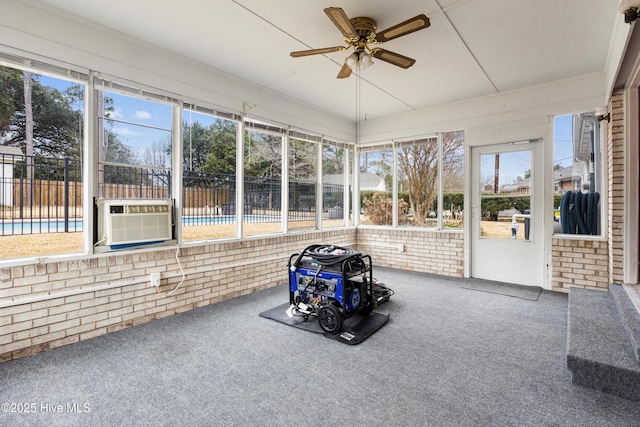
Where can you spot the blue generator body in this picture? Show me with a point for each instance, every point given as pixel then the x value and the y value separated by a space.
pixel 324 285
pixel 332 283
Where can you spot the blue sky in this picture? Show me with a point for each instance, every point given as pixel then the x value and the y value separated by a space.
pixel 562 135
pixel 147 131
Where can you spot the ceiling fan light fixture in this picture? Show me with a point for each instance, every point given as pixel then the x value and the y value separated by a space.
pixel 365 60
pixel 352 61
pixel 359 60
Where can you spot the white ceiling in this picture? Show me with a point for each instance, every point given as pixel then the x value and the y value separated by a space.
pixel 473 48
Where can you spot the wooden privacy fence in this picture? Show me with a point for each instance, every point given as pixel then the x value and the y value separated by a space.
pixel 59 193
pixel 52 193
pixel 46 193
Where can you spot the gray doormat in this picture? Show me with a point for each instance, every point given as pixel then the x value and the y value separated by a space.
pixel 530 293
pixel 356 328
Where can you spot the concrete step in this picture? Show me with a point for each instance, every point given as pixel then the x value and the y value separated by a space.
pixel 629 316
pixel 599 352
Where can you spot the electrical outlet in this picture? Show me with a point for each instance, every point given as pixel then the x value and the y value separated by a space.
pixel 155 279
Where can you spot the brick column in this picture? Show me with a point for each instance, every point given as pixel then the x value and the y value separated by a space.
pixel 615 174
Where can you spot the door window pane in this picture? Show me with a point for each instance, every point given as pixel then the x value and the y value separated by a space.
pixel 505 194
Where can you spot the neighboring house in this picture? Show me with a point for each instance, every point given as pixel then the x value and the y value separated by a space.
pixel 368 181
pixel 520 187
pixel 8 157
pixel 371 181
pixel 566 179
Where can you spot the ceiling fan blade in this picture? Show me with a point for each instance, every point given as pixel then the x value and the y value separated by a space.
pixel 393 58
pixel 345 72
pixel 409 26
pixel 341 20
pixel 300 53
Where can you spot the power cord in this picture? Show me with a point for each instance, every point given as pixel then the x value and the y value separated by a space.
pixel 181 271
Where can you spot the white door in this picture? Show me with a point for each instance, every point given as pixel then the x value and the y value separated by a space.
pixel 506 209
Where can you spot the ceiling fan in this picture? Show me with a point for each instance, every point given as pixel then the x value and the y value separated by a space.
pixel 359 33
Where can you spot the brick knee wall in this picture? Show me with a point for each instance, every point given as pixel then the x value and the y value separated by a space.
pixel 579 262
pixel 115 293
pixel 427 251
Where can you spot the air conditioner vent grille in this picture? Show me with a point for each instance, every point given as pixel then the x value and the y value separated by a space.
pixel 134 221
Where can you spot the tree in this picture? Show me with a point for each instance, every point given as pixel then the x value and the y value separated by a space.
pixel 221 143
pixel 194 146
pixel 56 118
pixel 263 155
pixel 302 160
pixel 11 99
pixel 453 161
pixel 210 149
pixel 332 159
pixel 28 130
pixel 418 165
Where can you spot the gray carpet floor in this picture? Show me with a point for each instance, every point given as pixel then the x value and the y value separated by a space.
pixel 448 356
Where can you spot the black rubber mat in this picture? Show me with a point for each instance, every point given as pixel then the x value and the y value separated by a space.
pixel 356 328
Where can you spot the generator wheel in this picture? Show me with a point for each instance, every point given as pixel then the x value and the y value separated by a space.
pixel 330 319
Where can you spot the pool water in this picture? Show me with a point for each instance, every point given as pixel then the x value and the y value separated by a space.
pixel 17 227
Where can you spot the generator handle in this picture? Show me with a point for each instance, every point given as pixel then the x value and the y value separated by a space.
pixel 292 267
pixel 370 270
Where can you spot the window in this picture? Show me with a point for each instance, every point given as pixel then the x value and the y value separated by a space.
pixel 303 170
pixel 376 176
pixel 577 174
pixel 262 178
pixel 418 182
pixel 134 146
pixel 349 173
pixel 333 176
pixel 41 137
pixel 209 175
pixel 453 179
pixel 429 172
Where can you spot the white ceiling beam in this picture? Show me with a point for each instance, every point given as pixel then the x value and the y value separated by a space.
pixel 442 15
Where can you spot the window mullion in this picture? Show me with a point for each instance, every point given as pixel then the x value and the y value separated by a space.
pixel 440 183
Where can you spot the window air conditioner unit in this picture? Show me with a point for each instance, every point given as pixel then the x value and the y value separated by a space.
pixel 130 222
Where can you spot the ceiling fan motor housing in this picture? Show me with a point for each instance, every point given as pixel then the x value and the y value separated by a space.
pixel 366 29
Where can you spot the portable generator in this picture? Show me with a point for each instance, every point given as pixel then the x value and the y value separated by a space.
pixel 333 283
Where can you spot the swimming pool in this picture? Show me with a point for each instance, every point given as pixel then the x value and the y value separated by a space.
pixel 14 227
pixel 226 219
pixel 17 227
